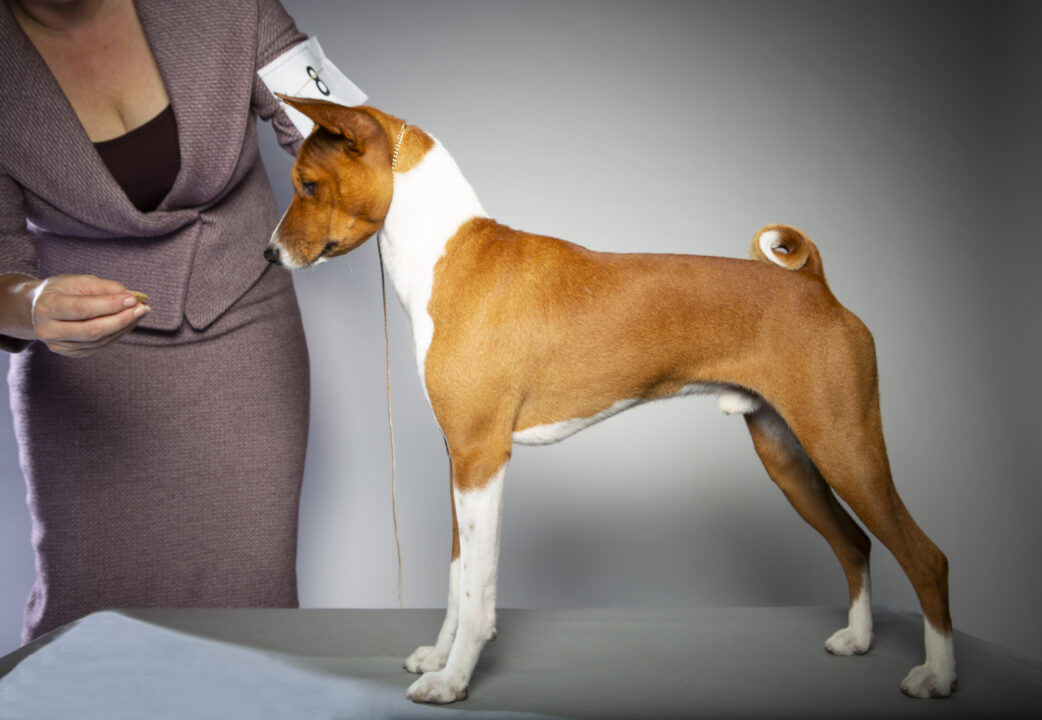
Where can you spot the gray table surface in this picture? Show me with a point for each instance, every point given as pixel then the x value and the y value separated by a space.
pixel 691 663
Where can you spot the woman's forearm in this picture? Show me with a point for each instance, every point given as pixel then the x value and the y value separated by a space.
pixel 16 305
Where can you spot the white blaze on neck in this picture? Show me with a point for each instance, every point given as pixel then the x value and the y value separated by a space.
pixel 430 203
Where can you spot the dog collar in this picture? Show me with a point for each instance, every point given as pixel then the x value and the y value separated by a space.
pixel 397 146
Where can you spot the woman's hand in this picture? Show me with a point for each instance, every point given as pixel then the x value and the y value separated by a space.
pixel 74 315
pixel 78 314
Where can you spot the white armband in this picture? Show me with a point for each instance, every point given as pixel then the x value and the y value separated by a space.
pixel 305 71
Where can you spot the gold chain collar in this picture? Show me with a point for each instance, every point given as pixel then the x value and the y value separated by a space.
pixel 397 147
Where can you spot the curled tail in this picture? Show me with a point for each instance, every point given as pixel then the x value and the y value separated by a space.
pixel 787 247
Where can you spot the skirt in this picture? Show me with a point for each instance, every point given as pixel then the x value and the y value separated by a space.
pixel 165 470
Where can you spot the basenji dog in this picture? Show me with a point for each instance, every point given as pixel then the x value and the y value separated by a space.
pixel 528 339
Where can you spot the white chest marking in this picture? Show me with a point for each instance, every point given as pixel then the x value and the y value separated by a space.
pixel 430 203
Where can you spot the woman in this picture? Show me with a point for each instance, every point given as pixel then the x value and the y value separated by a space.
pixel 162 443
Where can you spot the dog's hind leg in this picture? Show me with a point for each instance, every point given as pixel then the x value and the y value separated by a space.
pixel 858 471
pixel 477 484
pixel 789 467
pixel 844 438
pixel 433 657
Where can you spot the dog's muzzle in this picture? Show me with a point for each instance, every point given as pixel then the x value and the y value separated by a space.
pixel 271 254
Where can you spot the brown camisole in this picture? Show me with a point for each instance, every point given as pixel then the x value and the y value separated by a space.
pixel 145 161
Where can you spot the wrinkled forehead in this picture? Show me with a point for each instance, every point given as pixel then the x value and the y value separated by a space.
pixel 320 148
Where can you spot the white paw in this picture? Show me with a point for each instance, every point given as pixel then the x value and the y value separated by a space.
pixel 425 659
pixel 924 681
pixel 849 641
pixel 437 688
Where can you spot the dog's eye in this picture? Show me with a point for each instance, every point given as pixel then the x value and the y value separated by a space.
pixel 330 247
pixel 308 187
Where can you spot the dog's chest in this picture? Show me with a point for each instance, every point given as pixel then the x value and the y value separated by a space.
pixel 430 203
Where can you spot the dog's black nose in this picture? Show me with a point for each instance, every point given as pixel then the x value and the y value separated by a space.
pixel 271 254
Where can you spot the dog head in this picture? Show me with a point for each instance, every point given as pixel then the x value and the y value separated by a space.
pixel 342 184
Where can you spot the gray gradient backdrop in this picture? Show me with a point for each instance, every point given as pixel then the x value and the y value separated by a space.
pixel 901 136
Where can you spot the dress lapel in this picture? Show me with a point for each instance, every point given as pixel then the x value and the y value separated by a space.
pixel 202 63
pixel 207 67
pixel 46 148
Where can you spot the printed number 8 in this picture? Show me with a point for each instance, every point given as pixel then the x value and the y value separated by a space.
pixel 313 74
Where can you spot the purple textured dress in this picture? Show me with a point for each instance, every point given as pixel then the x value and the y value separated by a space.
pixel 164 470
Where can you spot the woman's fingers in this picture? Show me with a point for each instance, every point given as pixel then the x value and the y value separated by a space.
pixel 77 314
pixel 83 338
pixel 95 329
pixel 59 306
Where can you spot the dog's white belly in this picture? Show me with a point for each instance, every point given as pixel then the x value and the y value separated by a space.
pixel 732 401
pixel 555 432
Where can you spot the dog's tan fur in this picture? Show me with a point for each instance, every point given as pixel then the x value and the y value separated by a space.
pixel 530 331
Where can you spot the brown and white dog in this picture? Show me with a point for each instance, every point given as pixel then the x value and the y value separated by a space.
pixel 529 339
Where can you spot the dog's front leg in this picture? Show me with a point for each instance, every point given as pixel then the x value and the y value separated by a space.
pixel 427 658
pixel 478 513
pixel 433 657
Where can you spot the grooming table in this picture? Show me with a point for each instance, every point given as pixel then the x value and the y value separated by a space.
pixel 319 664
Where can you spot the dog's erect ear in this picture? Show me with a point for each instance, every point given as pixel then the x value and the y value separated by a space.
pixel 353 124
